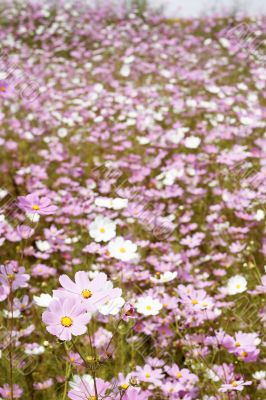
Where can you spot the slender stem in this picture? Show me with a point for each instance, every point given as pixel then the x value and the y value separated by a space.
pixel 11 344
pixel 93 370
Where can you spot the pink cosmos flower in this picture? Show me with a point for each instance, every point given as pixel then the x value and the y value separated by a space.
pixel 147 374
pixel 85 390
pixel 4 88
pixel 66 317
pixel 234 385
pixel 5 391
pixel 244 345
pixel 91 293
pixel 14 275
pixel 4 289
pixel 32 203
pixel 135 394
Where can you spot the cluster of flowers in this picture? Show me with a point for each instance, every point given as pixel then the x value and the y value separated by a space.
pixel 137 179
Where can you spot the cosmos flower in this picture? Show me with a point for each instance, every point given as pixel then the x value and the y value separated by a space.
pixel 148 374
pixel 102 229
pixel 14 275
pixel 236 284
pixel 165 277
pixel 85 390
pixel 122 249
pixel 148 306
pixel 112 307
pixel 91 293
pixel 43 300
pixel 4 288
pixel 237 385
pixel 66 317
pixel 34 204
pixel 5 391
pixel 116 203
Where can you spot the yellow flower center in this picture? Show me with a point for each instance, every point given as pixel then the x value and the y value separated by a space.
pixel 122 250
pixel 2 89
pixel 35 207
pixel 11 277
pixel 148 375
pixel 237 344
pixel 148 308
pixel 194 302
pixel 92 398
pixel 244 354
pixel 66 322
pixel 124 386
pixel 234 384
pixel 86 293
pixel 179 375
pixel 238 286
pixel 102 230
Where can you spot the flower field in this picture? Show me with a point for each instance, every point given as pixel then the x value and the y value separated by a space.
pixel 132 204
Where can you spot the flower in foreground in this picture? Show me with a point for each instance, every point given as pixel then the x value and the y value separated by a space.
pixel 122 249
pixel 236 284
pixel 32 203
pixel 90 293
pixel 66 317
pixel 148 306
pixel 102 229
pixel 85 389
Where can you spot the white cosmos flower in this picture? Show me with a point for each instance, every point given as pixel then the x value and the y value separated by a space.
pixel 122 249
pixel 258 375
pixel 167 276
pixel 43 245
pixel 236 284
pixel 102 229
pixel 116 204
pixel 43 300
pixel 3 193
pixel 192 142
pixel 112 307
pixel 148 306
pixel 9 314
pixel 36 350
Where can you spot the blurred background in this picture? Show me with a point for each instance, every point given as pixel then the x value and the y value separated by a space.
pixel 194 8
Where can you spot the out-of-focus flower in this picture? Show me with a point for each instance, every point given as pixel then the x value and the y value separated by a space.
pixel 116 203
pixel 34 204
pixel 237 385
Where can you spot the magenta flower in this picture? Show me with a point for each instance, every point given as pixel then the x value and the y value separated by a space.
pixel 5 391
pixel 66 317
pixel 91 294
pixel 32 203
pixel 85 390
